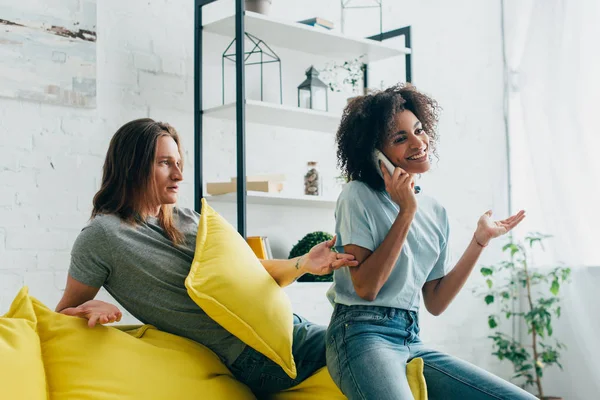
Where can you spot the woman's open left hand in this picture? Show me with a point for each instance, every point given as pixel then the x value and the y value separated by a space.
pixel 488 229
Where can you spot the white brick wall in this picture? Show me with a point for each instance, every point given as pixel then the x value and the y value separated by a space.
pixel 51 157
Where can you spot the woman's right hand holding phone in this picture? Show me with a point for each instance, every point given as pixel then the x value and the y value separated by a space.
pixel 400 186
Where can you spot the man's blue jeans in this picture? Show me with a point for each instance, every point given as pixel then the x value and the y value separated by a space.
pixel 263 376
pixel 368 348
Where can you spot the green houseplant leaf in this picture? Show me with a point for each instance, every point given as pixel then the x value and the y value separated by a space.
pixel 519 278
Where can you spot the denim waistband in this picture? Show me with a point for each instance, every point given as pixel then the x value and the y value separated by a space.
pixel 387 312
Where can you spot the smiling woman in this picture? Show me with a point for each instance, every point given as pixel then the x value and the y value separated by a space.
pixel 408 139
pixel 400 242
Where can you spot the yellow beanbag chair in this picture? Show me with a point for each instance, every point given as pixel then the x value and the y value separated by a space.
pixel 22 374
pixel 104 363
pixel 230 284
pixel 141 363
pixel 320 386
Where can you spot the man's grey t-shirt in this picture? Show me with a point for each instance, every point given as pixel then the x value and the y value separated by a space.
pixel 145 272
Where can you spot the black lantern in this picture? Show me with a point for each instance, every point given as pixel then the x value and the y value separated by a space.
pixel 312 93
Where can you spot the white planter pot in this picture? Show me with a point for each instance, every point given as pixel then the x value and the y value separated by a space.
pixel 259 6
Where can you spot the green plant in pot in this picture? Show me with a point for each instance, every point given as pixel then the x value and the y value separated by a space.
pixel 540 289
pixel 347 76
pixel 303 246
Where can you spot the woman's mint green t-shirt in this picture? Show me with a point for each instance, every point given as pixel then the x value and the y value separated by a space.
pixel 363 218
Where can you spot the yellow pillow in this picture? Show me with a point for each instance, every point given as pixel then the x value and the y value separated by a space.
pixel 103 363
pixel 230 284
pixel 320 385
pixel 22 374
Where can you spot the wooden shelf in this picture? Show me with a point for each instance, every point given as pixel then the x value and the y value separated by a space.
pixel 259 112
pixel 276 200
pixel 300 37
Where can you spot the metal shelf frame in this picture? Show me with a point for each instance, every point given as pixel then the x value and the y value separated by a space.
pixel 241 103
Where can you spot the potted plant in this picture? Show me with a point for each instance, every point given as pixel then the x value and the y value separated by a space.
pixel 505 281
pixel 303 246
pixel 346 76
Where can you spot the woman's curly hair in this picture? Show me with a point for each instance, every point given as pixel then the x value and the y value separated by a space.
pixel 368 121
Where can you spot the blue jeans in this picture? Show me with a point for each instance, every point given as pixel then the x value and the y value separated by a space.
pixel 263 376
pixel 368 348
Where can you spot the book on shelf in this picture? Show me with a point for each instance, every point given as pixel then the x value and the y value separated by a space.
pixel 218 188
pixel 318 22
pixel 257 183
pixel 262 178
pixel 260 246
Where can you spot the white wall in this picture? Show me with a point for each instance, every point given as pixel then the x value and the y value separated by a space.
pixel 51 157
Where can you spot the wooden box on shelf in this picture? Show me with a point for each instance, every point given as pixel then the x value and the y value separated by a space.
pixel 258 183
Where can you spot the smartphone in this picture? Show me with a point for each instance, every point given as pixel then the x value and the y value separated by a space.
pixel 379 156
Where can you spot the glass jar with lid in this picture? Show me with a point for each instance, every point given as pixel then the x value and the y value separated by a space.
pixel 313 182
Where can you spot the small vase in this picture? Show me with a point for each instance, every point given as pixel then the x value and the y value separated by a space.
pixel 259 6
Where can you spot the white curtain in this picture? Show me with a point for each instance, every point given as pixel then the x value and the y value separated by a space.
pixel 553 75
pixel 553 59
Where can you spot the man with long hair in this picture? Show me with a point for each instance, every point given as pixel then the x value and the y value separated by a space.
pixel 139 246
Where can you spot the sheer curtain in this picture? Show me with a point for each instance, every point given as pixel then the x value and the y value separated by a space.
pixel 553 108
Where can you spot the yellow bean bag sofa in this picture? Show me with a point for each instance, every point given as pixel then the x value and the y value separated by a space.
pixel 46 355
pixel 49 356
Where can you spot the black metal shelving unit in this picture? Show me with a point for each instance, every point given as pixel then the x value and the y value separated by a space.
pixel 240 110
pixel 241 102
